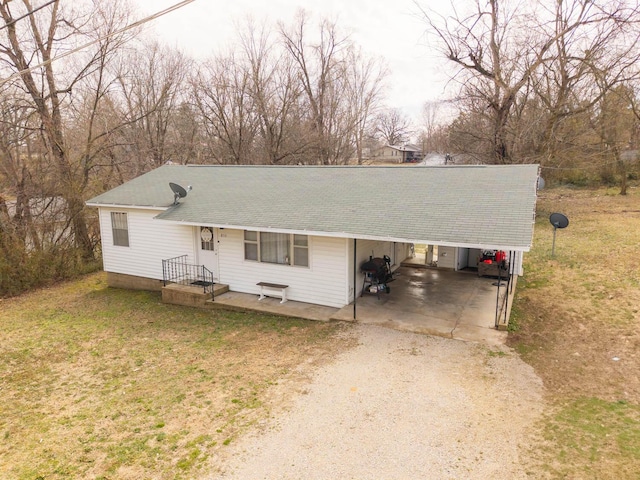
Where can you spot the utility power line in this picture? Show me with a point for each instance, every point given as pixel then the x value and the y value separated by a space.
pixel 27 14
pixel 93 42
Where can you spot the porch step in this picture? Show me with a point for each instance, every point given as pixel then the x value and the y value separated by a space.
pixel 190 295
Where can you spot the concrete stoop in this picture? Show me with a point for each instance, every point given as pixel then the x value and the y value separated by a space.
pixel 190 295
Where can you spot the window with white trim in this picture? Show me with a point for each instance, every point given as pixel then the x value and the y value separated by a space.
pixel 250 245
pixel 120 229
pixel 279 248
pixel 301 250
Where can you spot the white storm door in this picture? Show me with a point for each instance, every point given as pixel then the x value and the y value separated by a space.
pixel 208 249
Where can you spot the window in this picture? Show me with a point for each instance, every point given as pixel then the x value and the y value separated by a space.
pixel 301 250
pixel 206 238
pixel 280 248
pixel 250 245
pixel 120 229
pixel 274 248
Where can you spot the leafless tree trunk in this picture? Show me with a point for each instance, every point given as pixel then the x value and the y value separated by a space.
pixel 503 50
pixel 432 122
pixel 365 81
pixel 222 95
pixel 276 92
pixel 321 71
pixel 618 125
pixel 29 48
pixel 153 83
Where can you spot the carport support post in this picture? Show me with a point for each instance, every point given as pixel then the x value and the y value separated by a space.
pixel 498 299
pixel 355 245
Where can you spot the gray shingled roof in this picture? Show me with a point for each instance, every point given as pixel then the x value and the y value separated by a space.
pixel 476 206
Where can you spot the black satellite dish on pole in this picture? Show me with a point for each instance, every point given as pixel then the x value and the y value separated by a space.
pixel 178 192
pixel 558 220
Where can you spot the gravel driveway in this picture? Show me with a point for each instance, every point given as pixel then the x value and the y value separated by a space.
pixel 401 405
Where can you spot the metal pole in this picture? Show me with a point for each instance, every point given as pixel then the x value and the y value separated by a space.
pixel 553 246
pixel 509 284
pixel 497 299
pixel 355 246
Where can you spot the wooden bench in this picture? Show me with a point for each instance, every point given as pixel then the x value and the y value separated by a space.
pixel 273 289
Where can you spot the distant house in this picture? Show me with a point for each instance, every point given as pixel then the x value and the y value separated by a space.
pixel 48 214
pixel 310 228
pixel 397 154
pixel 629 156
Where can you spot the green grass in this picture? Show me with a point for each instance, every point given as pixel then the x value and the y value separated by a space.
pixel 107 383
pixel 594 438
pixel 572 314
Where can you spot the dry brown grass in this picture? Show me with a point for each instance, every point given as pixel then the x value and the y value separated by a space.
pixel 106 383
pixel 578 324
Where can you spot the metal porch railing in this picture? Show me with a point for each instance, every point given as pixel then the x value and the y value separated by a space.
pixel 178 270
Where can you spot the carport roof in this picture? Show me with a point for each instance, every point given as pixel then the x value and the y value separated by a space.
pixel 477 206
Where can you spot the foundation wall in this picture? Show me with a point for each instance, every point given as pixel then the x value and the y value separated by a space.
pixel 131 282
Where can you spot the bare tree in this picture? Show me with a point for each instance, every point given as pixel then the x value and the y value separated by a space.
pixel 617 126
pixel 28 48
pixel 222 95
pixel 432 123
pixel 152 82
pixel 320 67
pixel 595 50
pixel 276 93
pixel 365 82
pixel 499 47
pixel 393 126
pixel 18 156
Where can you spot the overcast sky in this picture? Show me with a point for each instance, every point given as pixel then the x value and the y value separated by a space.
pixel 391 29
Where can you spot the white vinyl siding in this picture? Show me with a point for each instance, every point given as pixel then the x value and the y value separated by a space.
pixel 323 282
pixel 447 257
pixel 150 241
pixel 517 264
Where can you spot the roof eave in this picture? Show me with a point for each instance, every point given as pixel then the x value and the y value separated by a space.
pixel 352 236
pixel 120 205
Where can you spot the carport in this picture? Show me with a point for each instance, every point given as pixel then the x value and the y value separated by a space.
pixel 440 302
pixel 481 219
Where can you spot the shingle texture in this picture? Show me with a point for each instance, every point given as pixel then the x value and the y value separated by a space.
pixel 490 206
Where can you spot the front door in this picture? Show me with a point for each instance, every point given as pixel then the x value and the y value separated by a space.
pixel 208 250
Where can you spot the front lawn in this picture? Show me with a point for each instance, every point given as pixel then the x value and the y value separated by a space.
pixel 106 383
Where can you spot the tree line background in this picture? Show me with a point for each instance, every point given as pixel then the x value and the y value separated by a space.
pixel 87 103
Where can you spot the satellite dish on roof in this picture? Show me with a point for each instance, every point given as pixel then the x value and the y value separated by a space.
pixel 178 191
pixel 541 183
pixel 558 220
